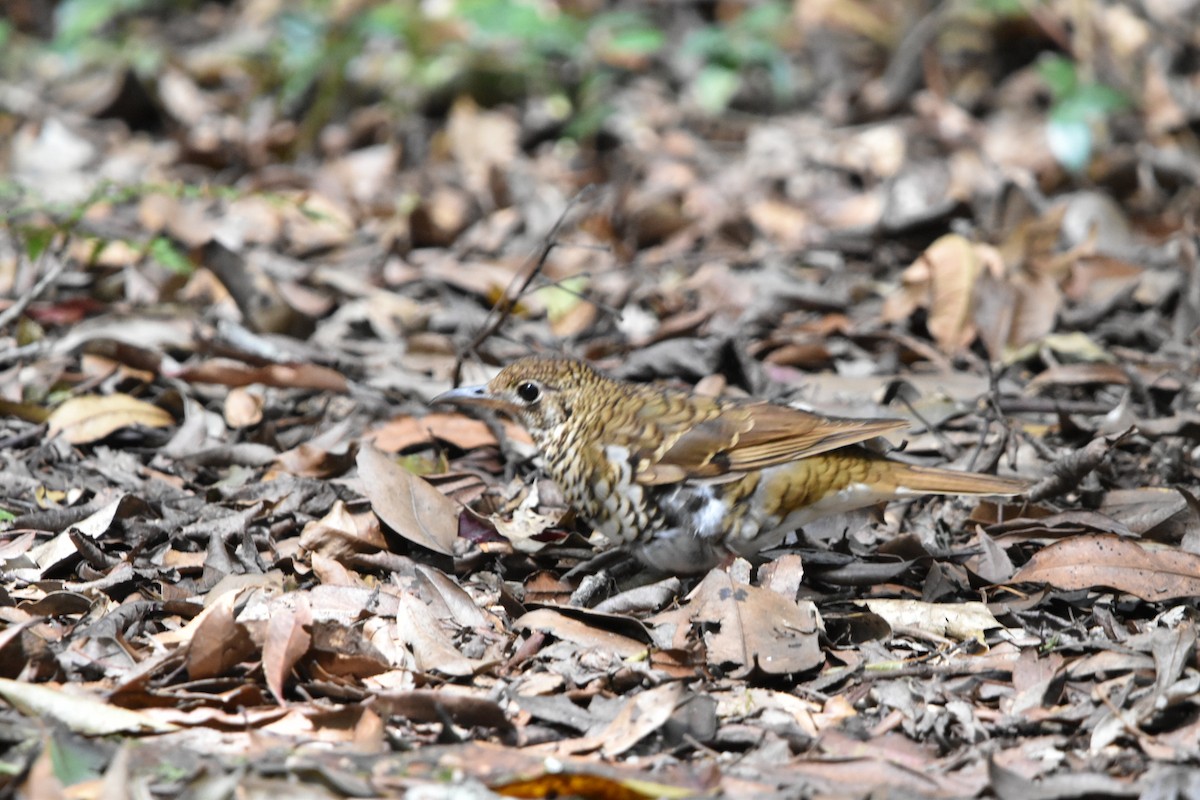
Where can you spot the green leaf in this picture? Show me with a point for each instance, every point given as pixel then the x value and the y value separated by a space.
pixel 1003 8
pixel 1060 75
pixel 37 239
pixel 392 19
pixel 560 298
pixel 636 42
pixel 76 20
pixel 1089 103
pixel 6 515
pixel 73 761
pixel 168 255
pixel 706 42
pixel 764 20
pixel 714 87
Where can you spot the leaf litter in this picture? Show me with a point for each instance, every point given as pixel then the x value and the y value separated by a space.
pixel 232 525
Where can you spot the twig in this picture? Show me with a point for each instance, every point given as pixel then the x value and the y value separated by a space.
pixel 57 265
pixel 24 351
pixel 1069 470
pixel 1049 405
pixel 505 305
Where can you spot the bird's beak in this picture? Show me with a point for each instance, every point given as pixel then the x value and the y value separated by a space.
pixel 471 396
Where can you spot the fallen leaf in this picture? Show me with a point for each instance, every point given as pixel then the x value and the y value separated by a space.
pixel 409 505
pixel 954 620
pixel 89 418
pixel 79 712
pixel 745 626
pixel 1087 562
pixel 288 639
pixel 234 373
pixel 243 407
pixel 217 643
pixel 461 431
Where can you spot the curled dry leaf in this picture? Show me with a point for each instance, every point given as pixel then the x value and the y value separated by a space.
pixel 234 373
pixel 954 620
pixel 1105 560
pixel 944 280
pixel 409 505
pixel 429 642
pixel 340 534
pixel 78 712
pixel 288 639
pixel 580 632
pixel 639 716
pixel 90 418
pixel 243 407
pixel 524 527
pixel 217 641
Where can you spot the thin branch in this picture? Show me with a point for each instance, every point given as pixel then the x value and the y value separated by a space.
pixel 57 265
pixel 505 305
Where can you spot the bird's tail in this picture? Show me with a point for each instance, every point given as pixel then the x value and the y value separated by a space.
pixel 933 480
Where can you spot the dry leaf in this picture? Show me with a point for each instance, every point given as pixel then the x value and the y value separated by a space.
pixel 409 505
pixel 954 620
pixel 235 373
pixel 243 407
pixel 218 643
pixel 89 418
pixel 1108 561
pixel 459 430
pixel 288 639
pixel 79 712
pixel 745 626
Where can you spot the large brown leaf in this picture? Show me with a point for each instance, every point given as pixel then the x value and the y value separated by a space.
pixel 1087 562
pixel 409 505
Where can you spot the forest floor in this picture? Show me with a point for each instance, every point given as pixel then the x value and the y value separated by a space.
pixel 243 247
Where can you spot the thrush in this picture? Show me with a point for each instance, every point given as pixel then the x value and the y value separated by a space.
pixel 685 480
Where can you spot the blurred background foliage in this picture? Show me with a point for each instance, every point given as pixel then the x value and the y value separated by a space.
pixel 317 59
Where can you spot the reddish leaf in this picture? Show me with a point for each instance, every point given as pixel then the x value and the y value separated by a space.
pixel 288 639
pixel 1105 560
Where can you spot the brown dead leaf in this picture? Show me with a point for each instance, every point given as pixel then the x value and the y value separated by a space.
pixel 79 712
pixel 431 645
pixel 340 534
pixel 1094 372
pixel 218 643
pixel 745 626
pixel 1105 560
pixel 481 141
pixel 400 433
pixel 243 407
pixel 289 635
pixel 89 418
pixel 316 222
pixel 954 266
pixel 409 505
pixel 235 373
pixel 579 632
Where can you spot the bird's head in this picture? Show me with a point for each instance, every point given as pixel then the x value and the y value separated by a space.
pixel 542 393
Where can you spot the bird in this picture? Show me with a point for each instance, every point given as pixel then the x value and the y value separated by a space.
pixel 687 482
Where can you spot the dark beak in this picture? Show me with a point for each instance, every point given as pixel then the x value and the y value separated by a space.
pixel 470 396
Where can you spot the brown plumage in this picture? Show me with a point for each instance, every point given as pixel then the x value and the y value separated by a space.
pixel 686 480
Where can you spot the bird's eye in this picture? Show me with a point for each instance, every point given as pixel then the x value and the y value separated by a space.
pixel 528 391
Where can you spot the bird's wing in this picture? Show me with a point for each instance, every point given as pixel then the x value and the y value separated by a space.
pixel 749 436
